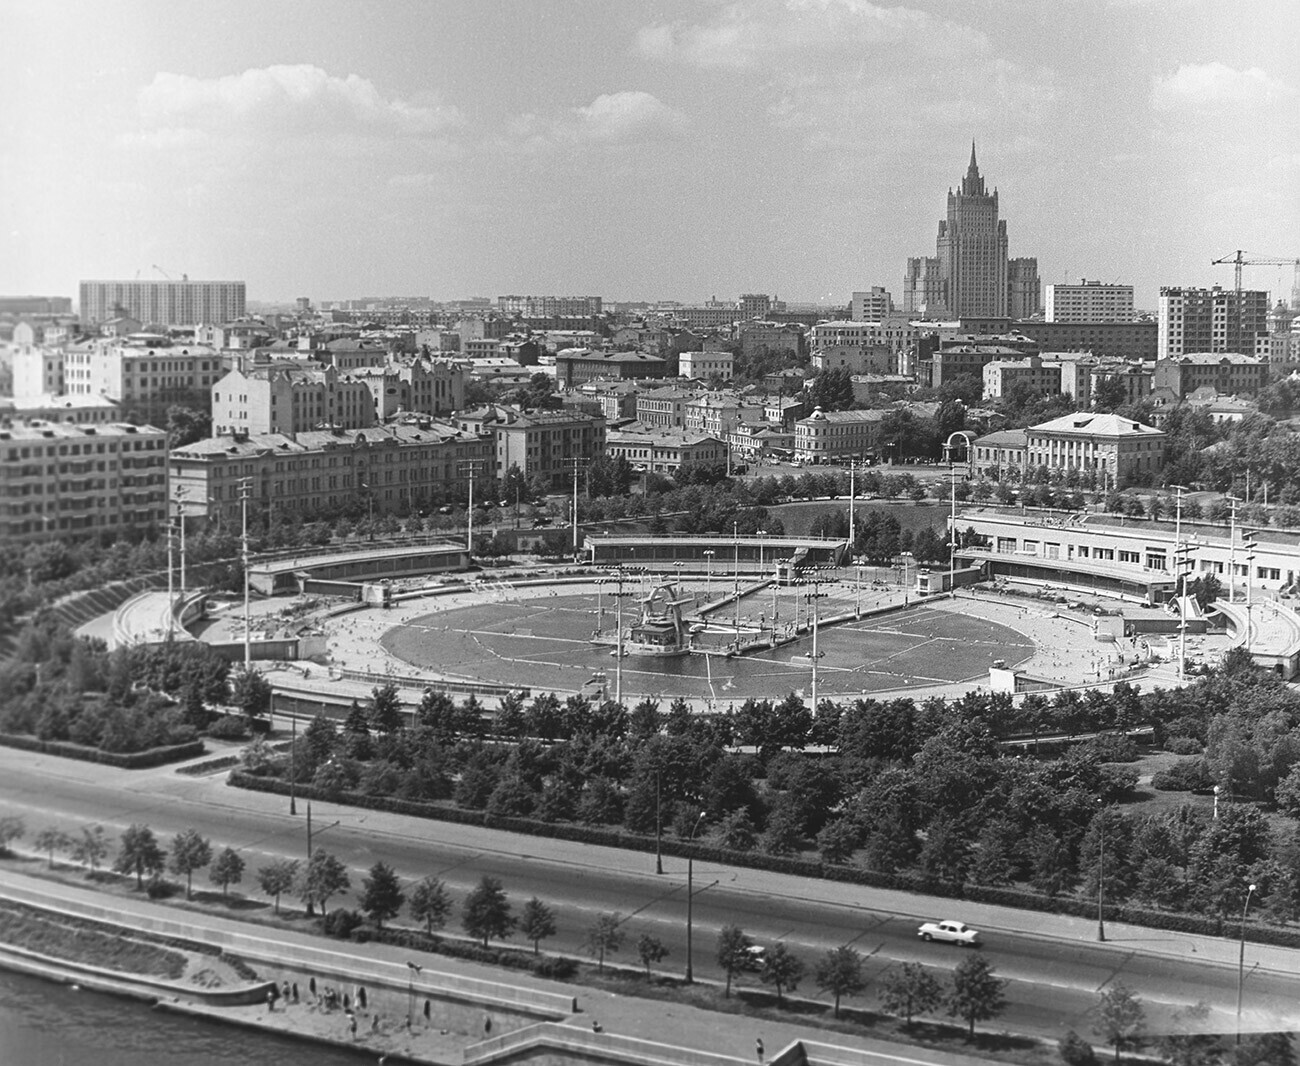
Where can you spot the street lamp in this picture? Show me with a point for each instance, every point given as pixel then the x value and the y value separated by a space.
pixel 1241 959
pixel 412 971
pixel 690 888
pixel 1101 873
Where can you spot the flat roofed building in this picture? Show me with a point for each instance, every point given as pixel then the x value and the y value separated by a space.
pixel 1212 320
pixel 1032 373
pixel 573 366
pixel 144 374
pixel 59 479
pixel 997 454
pixel 1089 301
pixel 704 365
pixel 163 303
pixel 871 306
pixel 716 414
pixel 78 410
pixel 1118 340
pixel 831 436
pixel 281 399
pixel 664 407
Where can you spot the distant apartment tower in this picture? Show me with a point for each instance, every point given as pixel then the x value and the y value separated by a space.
pixel 550 306
pixel 1212 320
pixel 1089 301
pixel 969 274
pixel 754 305
pixel 871 306
pixel 163 303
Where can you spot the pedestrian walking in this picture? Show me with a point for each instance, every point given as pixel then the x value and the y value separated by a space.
pixel 374 1022
pixel 758 1048
pixel 295 991
pixel 270 1000
pixel 352 1025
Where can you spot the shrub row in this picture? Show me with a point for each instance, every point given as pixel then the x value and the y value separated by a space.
pixel 799 867
pixel 207 766
pixel 138 760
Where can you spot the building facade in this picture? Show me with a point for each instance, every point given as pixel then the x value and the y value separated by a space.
pixel 969 273
pixel 288 399
pixel 665 451
pixel 1212 320
pixel 385 469
pixel 163 303
pixel 144 375
pixel 703 365
pixel 60 479
pixel 1089 301
pixel 574 366
pixel 834 436
pixel 871 306
pixel 547 444
pixel 1227 374
pixel 1122 450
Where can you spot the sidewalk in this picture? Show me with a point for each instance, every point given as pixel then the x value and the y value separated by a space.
pixel 664 1025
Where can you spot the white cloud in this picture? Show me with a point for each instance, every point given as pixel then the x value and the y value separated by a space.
pixel 286 99
pixel 751 33
pixel 624 117
pixel 1208 86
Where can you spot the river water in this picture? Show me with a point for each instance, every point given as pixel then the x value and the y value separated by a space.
pixel 47 1024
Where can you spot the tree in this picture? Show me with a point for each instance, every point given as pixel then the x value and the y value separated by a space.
pixel 381 894
pixel 323 877
pixel 976 994
pixel 11 829
pixel 185 425
pixel 385 709
pixel 650 950
pixel 227 869
pixel 430 903
pixel 605 937
pixel 190 852
pixel 910 990
pixel 92 848
pixel 839 973
pixel 50 840
pixel 277 878
pixel 782 969
pixel 1075 1051
pixel 1120 1017
pixel 251 693
pixel 1266 1049
pixel 139 854
pixel 536 922
pixel 486 915
pixel 733 952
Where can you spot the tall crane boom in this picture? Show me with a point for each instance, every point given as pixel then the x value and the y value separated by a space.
pixel 1240 259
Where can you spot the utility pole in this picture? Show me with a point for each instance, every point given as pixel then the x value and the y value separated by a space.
pixel 576 460
pixel 468 466
pixel 244 489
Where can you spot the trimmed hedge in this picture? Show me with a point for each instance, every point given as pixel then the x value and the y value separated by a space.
pixel 617 838
pixel 207 766
pixel 135 760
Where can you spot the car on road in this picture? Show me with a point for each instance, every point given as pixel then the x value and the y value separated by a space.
pixel 755 956
pixel 950 932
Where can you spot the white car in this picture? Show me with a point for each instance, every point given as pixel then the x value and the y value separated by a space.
pixel 951 932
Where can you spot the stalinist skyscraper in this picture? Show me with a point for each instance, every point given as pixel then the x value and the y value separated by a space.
pixel 969 276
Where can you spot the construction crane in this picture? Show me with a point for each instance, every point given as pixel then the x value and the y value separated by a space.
pixel 1240 259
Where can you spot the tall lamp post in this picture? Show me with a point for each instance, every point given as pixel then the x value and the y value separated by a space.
pixel 1248 544
pixel 244 489
pixel 690 896
pixel 1101 874
pixel 1241 958
pixel 412 971
pixel 708 562
pixel 469 466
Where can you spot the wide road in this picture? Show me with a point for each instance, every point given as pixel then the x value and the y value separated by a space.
pixel 1055 968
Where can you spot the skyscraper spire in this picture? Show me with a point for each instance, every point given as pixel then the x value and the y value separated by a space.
pixel 972 184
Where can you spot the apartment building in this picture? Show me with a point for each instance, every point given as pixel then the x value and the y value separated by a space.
pixel 704 365
pixel 1213 320
pixel 162 303
pixel 716 414
pixel 1089 301
pixel 1227 373
pixel 289 399
pixel 664 407
pixel 387 469
pixel 62 479
pixel 545 444
pixel 143 375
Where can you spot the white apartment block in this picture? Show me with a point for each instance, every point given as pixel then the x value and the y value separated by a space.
pixel 163 303
pixel 871 306
pixel 280 399
pixel 1089 301
pixel 1001 375
pixel 703 365
pixel 37 370
pixel 59 478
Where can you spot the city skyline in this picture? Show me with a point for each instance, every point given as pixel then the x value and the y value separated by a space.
pixel 678 151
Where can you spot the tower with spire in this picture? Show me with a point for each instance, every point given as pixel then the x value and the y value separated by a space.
pixel 969 275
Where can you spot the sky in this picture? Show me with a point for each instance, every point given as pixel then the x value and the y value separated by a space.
pixel 638 151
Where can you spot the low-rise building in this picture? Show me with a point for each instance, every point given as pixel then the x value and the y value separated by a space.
pixel 704 365
pixel 665 451
pixel 144 375
pixel 1227 373
pixel 1119 449
pixel 289 399
pixel 60 479
pixel 385 469
pixel 664 407
pixel 1032 373
pixel 79 410
pixel 574 366
pixel 716 413
pixel 999 454
pixel 546 444
pixel 834 436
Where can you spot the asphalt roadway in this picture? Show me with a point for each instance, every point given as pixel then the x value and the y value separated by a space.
pixel 1055 965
